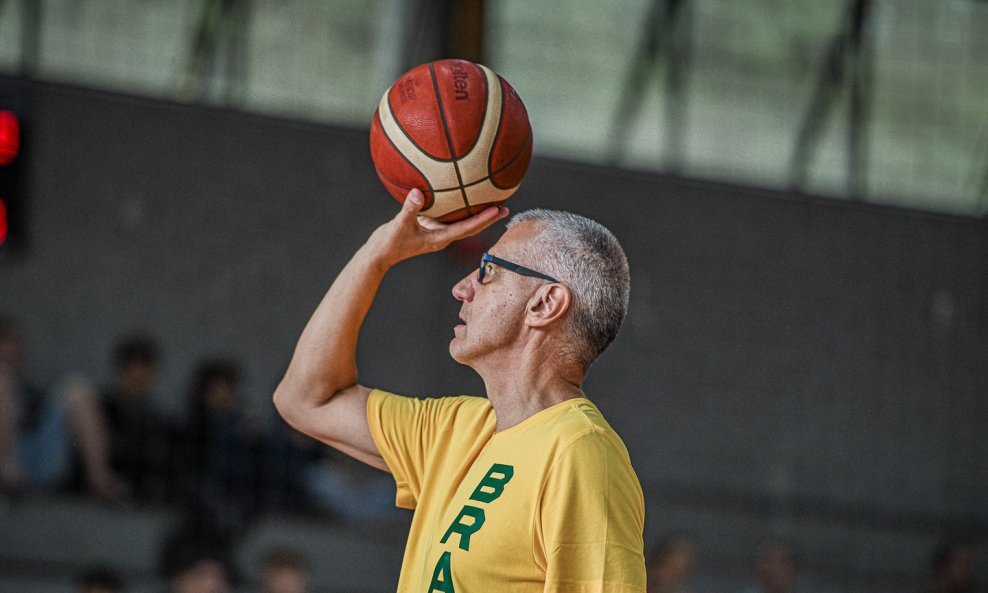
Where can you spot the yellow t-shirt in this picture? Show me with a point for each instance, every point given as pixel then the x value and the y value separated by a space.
pixel 551 504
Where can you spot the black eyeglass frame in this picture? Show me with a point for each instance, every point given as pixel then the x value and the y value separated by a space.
pixel 487 258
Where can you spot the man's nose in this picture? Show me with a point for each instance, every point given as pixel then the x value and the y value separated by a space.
pixel 463 290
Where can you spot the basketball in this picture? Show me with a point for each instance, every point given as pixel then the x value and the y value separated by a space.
pixel 455 130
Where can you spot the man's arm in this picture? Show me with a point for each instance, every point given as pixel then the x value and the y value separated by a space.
pixel 319 394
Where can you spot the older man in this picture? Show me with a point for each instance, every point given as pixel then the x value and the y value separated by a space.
pixel 529 489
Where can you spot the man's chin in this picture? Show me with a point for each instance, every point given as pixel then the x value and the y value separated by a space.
pixel 457 353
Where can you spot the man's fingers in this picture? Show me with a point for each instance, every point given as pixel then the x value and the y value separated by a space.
pixel 431 223
pixel 476 223
pixel 412 204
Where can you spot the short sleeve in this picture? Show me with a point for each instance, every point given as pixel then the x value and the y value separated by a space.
pixel 408 431
pixel 592 517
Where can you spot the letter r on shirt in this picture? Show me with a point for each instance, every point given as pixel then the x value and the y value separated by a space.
pixel 464 529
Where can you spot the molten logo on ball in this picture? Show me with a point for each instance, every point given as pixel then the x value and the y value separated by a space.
pixel 455 130
pixel 460 81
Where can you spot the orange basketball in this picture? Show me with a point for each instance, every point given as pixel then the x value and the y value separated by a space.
pixel 455 130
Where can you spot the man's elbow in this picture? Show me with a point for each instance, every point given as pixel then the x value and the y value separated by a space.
pixel 296 401
pixel 286 402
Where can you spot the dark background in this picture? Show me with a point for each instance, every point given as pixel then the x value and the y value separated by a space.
pixel 790 365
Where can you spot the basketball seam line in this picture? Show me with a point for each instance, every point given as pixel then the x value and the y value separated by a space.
pixel 497 132
pixel 483 117
pixel 401 128
pixel 429 199
pixel 511 161
pixel 472 183
pixel 449 139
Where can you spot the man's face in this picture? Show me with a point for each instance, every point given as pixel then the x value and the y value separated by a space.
pixel 777 570
pixel 207 576
pixel 492 314
pixel 11 351
pixel 285 580
pixel 221 396
pixel 958 574
pixel 672 572
pixel 136 378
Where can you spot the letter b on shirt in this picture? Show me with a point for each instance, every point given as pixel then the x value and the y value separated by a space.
pixel 493 483
pixel 487 491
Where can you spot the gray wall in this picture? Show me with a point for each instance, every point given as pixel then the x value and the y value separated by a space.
pixel 791 365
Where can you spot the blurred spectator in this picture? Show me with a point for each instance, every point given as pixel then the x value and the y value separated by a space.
pixel 200 570
pixel 37 431
pixel 99 579
pixel 141 436
pixel 952 568
pixel 285 458
pixel 219 444
pixel 298 473
pixel 195 557
pixel 348 490
pixel 234 469
pixel 671 564
pixel 285 570
pixel 777 568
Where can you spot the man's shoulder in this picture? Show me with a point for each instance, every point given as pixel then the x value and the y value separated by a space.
pixel 588 451
pixel 580 417
pixel 582 426
pixel 445 407
pixel 464 408
pixel 452 421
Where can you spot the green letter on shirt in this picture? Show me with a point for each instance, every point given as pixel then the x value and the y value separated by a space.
pixel 491 487
pixel 463 529
pixel 442 569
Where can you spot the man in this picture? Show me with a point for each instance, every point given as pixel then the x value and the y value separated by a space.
pixel 285 570
pixel 952 568
pixel 777 568
pixel 529 489
pixel 99 579
pixel 672 564
pixel 142 438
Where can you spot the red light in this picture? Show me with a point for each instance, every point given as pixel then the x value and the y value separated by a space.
pixel 3 222
pixel 10 137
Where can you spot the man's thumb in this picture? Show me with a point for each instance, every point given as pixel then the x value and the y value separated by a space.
pixel 413 202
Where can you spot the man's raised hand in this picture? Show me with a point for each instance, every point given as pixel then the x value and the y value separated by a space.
pixel 409 234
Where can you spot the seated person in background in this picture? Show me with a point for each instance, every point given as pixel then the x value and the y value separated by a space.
pixel 195 555
pixel 141 436
pixel 284 570
pixel 670 568
pixel 219 446
pixel 198 568
pixel 99 579
pixel 349 491
pixel 952 568
pixel 777 568
pixel 37 431
pixel 234 468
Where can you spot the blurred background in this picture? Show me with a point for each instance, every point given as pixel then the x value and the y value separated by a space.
pixel 801 187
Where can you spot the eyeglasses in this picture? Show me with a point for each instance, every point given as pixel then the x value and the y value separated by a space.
pixel 487 258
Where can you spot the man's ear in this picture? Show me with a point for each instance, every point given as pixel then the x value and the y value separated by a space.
pixel 548 305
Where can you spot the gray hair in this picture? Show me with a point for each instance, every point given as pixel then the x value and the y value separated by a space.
pixel 586 257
